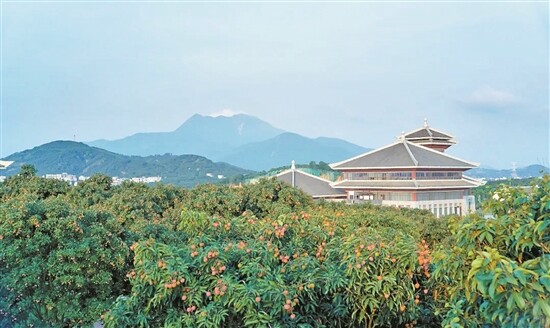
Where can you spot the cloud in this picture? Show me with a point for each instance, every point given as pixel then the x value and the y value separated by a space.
pixel 490 98
pixel 225 112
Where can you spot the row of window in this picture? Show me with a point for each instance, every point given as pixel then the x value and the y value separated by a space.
pixel 438 175
pixel 378 176
pixel 440 195
pixel 420 196
pixel 402 175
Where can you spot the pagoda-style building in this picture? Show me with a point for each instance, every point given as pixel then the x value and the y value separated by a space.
pixel 412 172
pixel 430 138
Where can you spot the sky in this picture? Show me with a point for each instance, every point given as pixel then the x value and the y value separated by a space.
pixel 359 71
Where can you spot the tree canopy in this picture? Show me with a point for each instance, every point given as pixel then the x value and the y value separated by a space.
pixel 264 254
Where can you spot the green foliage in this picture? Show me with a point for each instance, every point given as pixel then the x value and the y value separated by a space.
pixel 485 192
pixel 496 272
pixel 264 254
pixel 263 198
pixel 79 159
pixel 92 191
pixel 26 183
pixel 59 266
pixel 287 269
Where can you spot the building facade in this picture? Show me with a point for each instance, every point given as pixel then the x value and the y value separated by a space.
pixel 412 172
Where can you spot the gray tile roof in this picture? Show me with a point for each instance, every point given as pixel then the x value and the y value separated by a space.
pixel 427 132
pixel 403 154
pixel 406 184
pixel 310 184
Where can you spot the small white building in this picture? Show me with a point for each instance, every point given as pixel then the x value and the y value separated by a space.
pixel 5 164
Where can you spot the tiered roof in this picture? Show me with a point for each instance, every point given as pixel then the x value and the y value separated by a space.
pixel 403 154
pixel 428 136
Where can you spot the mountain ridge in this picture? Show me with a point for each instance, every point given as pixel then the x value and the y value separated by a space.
pixel 77 158
pixel 206 136
pixel 286 147
pixel 227 139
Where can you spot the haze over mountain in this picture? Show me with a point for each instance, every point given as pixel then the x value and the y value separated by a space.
pixel 189 170
pixel 241 140
pixel 80 159
pixel 286 147
pixel 200 135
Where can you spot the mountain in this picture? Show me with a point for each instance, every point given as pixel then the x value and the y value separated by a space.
pixel 241 140
pixel 524 172
pixel 285 147
pixel 212 137
pixel 80 159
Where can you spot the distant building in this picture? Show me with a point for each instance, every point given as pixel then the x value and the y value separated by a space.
pixel 146 179
pixel 311 184
pixel 72 179
pixel 5 164
pixel 412 172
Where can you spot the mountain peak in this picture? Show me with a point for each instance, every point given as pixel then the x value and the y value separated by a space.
pixel 226 112
pixel 208 136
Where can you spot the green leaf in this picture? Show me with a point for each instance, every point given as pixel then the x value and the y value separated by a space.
pixel 544 306
pixel 520 302
pixel 493 286
pixel 545 281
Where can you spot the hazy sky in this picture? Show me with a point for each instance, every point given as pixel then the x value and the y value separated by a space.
pixel 363 72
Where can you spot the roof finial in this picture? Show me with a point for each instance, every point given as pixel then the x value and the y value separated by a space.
pixel 293 165
pixel 401 136
pixel 425 122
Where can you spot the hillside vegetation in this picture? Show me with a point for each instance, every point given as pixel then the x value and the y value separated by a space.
pixel 264 255
pixel 79 159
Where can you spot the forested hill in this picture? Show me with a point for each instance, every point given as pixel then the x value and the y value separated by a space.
pixel 80 159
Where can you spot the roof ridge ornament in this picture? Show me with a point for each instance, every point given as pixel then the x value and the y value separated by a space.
pixel 401 137
pixel 293 165
pixel 427 127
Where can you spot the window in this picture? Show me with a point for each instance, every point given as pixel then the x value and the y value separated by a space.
pixel 400 196
pixel 378 176
pixel 438 175
pixel 440 195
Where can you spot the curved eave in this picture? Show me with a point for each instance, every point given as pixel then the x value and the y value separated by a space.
pixel 406 167
pixel 431 139
pixel 403 188
pixel 478 182
pixel 412 185
pixel 343 195
pixel 432 142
